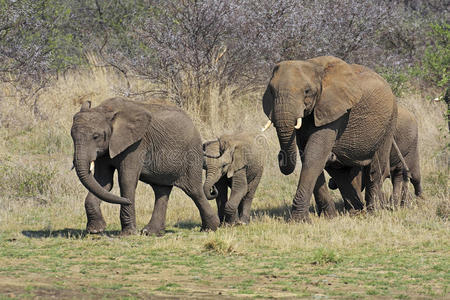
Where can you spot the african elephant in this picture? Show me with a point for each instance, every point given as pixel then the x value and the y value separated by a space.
pixel 324 105
pixel 154 142
pixel 406 138
pixel 233 161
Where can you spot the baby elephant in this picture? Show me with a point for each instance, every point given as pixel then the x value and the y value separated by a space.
pixel 233 161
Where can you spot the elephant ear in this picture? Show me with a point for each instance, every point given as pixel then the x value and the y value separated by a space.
pixel 238 160
pixel 340 90
pixel 128 127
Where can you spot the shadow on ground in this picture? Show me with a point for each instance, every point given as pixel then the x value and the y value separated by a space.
pixel 187 225
pixel 68 233
pixel 284 211
pixel 279 212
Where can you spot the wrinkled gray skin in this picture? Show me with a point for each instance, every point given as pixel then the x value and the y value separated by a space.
pixel 347 110
pixel 406 137
pixel 239 165
pixel 155 142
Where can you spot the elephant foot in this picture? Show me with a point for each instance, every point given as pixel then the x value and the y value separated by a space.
pixel 328 211
pixel 299 218
pixel 149 231
pixel 95 226
pixel 244 220
pixel 419 194
pixel 356 212
pixel 231 220
pixel 129 230
pixel 210 223
pixel 370 208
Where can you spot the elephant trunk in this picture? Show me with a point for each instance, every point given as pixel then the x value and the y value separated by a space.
pixel 211 192
pixel 209 187
pixel 287 157
pixel 81 163
pixel 287 119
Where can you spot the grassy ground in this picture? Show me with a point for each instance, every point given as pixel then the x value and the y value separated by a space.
pixel 44 251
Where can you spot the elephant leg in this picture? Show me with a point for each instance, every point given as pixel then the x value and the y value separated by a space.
pixel 221 199
pixel 157 223
pixel 192 185
pixel 324 202
pixel 103 173
pixel 246 203
pixel 239 189
pixel 373 191
pixel 210 220
pixel 128 179
pixel 404 193
pixel 349 181
pixel 376 172
pixel 317 150
pixel 397 186
pixel 333 186
pixel 416 181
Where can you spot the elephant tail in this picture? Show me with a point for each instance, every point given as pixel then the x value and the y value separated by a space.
pixel 406 171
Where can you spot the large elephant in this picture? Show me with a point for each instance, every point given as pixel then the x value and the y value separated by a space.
pixel 324 105
pixel 154 142
pixel 233 161
pixel 406 136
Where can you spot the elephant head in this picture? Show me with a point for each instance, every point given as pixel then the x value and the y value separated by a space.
pixel 221 157
pixel 106 130
pixel 324 86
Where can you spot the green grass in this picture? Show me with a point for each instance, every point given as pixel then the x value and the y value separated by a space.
pixel 402 260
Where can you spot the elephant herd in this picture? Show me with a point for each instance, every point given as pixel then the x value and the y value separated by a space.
pixel 342 118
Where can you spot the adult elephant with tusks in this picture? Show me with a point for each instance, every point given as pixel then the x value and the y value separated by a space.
pixel 322 106
pixel 154 142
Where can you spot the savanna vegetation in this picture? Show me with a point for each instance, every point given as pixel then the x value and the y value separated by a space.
pixel 213 58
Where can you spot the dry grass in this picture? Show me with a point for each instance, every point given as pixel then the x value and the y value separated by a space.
pixel 41 197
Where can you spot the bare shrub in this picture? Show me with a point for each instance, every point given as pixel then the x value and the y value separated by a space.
pixel 202 54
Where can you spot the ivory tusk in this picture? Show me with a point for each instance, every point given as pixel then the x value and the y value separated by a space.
pixel 91 167
pixel 299 123
pixel 266 126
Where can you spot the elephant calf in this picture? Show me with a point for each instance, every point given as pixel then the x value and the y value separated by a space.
pixel 232 161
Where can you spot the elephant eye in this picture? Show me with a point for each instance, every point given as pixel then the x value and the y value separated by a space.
pixel 307 91
pixel 96 136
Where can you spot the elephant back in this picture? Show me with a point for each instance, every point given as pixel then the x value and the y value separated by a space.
pixel 406 135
